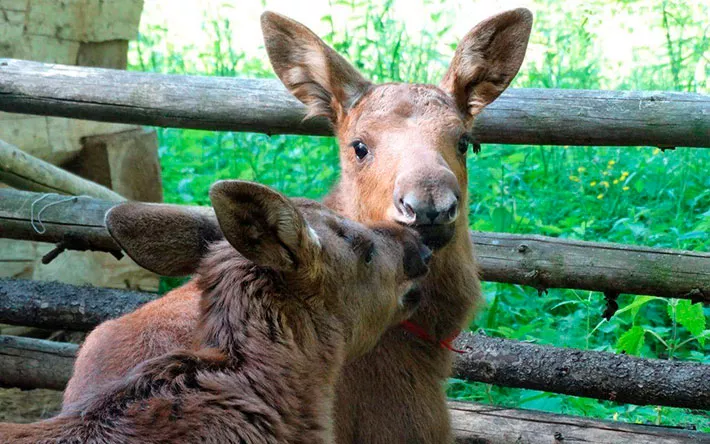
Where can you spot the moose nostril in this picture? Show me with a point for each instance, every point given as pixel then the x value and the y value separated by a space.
pixel 432 215
pixel 406 209
pixel 453 211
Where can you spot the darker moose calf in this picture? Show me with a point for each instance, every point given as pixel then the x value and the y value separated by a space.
pixel 292 291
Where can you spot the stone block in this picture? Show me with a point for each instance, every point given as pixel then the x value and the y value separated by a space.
pixel 110 54
pixel 42 49
pixel 14 5
pixel 28 133
pixel 85 20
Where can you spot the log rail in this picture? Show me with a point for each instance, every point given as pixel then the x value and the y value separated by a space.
pixel 600 375
pixel 32 363
pixel 519 116
pixel 537 261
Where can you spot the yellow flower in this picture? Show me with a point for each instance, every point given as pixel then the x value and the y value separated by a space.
pixel 615 181
pixel 612 162
pixel 656 151
pixel 625 188
pixel 604 183
pixel 593 183
pixel 600 196
pixel 624 175
pixel 581 169
pixel 574 178
pixel 604 173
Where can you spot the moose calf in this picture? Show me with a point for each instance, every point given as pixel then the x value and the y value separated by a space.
pixel 403 156
pixel 292 291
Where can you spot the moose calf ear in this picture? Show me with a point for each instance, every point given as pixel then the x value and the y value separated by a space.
pixel 169 240
pixel 262 224
pixel 487 59
pixel 313 72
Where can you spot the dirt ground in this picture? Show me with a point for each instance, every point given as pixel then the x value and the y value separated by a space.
pixel 28 406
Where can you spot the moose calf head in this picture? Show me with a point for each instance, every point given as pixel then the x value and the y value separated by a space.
pixel 362 276
pixel 405 141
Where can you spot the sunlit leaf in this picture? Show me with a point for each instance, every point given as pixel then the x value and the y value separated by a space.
pixel 632 341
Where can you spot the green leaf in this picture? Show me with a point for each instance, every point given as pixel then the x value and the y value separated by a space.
pixel 635 306
pixel 691 317
pixel 632 341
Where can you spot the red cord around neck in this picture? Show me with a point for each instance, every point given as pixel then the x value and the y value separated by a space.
pixel 418 331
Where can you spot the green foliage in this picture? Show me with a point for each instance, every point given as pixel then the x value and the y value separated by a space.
pixel 641 196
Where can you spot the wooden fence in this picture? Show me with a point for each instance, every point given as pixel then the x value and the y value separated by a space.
pixel 565 117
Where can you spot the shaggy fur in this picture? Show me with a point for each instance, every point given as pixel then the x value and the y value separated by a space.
pixel 270 344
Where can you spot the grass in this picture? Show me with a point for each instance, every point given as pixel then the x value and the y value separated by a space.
pixel 633 195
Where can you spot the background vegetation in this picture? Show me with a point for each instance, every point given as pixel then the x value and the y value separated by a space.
pixel 636 195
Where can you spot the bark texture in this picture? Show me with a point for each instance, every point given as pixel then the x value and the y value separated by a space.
pixel 519 116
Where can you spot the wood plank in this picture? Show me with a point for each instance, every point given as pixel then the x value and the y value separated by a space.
pixel 519 116
pixel 484 424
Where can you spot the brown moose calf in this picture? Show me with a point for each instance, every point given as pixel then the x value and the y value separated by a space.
pixel 292 291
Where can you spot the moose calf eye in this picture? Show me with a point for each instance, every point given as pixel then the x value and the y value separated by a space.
pixel 360 149
pixel 463 144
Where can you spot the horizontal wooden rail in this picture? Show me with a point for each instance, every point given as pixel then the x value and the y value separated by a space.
pixel 485 424
pixel 29 363
pixel 26 172
pixel 519 116
pixel 32 363
pixel 593 374
pixel 537 261
pixel 75 221
pixel 62 306
pixel 509 363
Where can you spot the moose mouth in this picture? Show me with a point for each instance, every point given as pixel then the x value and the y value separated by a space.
pixel 436 236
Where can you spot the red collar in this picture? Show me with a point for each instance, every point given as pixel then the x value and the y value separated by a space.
pixel 418 331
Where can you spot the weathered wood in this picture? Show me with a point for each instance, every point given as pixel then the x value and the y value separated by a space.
pixel 545 262
pixel 485 424
pixel 38 363
pixel 21 170
pixel 35 363
pixel 600 375
pixel 56 219
pixel 519 116
pixel 606 376
pixel 126 162
pixel 538 261
pixel 62 306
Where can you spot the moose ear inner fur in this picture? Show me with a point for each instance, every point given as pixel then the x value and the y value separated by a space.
pixel 487 59
pixel 261 224
pixel 169 240
pixel 312 71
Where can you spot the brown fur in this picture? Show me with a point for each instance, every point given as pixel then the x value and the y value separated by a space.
pixel 270 341
pixel 395 393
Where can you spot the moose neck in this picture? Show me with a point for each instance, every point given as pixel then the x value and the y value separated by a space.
pixel 291 352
